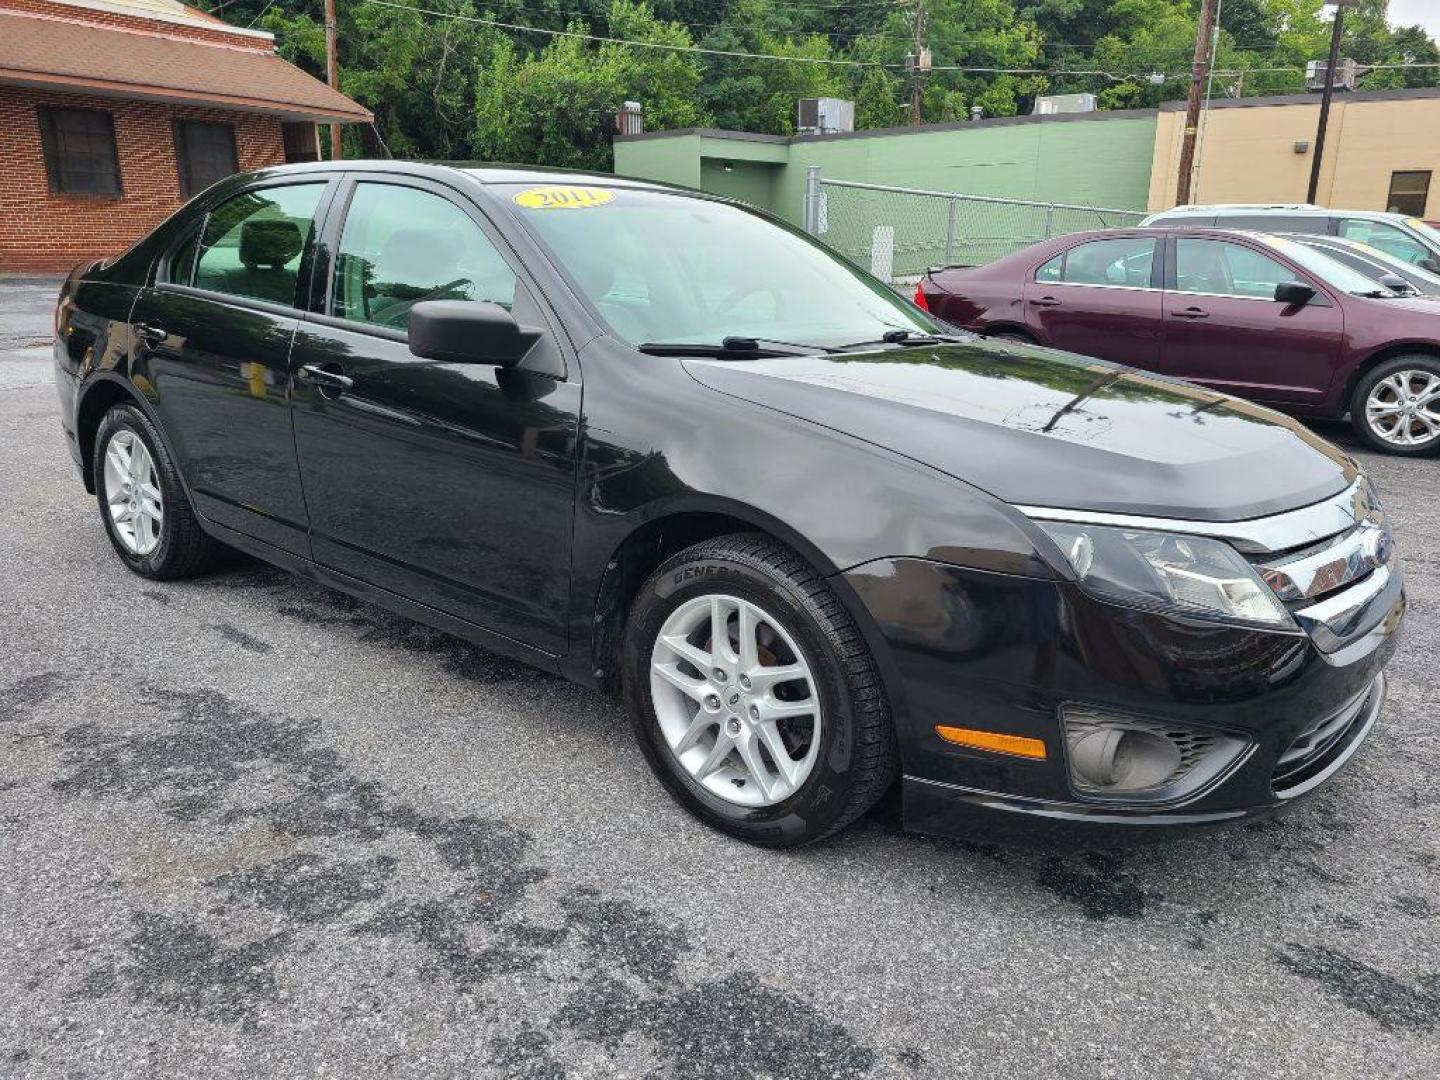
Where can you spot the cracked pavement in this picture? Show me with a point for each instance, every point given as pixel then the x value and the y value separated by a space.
pixel 250 827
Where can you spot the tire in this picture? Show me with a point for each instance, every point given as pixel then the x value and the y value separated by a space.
pixel 1384 383
pixel 798 623
pixel 174 546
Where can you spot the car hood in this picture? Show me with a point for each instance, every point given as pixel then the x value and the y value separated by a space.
pixel 1034 426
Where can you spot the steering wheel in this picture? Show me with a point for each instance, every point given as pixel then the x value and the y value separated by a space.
pixel 742 292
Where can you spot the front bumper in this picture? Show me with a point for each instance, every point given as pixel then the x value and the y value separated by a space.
pixel 1005 654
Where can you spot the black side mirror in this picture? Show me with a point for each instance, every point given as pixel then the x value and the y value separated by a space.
pixel 1293 293
pixel 469 332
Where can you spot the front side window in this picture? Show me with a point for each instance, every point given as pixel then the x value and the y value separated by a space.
pixel 80 155
pixel 1220 268
pixel 254 243
pixel 1386 237
pixel 665 268
pixel 204 153
pixel 1124 261
pixel 401 245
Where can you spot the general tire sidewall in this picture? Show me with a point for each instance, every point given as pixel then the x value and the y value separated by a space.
pixel 820 799
pixel 1359 417
pixel 128 418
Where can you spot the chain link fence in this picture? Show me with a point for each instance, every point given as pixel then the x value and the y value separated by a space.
pixel 899 233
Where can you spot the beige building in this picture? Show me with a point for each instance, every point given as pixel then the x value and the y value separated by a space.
pixel 1382 151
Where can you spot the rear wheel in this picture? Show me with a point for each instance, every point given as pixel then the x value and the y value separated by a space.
pixel 754 696
pixel 1396 405
pixel 143 505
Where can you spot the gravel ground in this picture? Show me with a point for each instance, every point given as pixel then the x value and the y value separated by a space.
pixel 249 827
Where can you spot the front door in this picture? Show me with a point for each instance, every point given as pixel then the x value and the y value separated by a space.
pixel 451 484
pixel 1225 329
pixel 1100 298
pixel 212 341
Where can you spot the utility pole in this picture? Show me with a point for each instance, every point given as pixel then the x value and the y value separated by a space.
pixel 332 74
pixel 1340 6
pixel 1199 71
pixel 920 63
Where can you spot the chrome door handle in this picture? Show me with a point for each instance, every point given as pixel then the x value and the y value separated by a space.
pixel 1191 313
pixel 325 376
pixel 150 333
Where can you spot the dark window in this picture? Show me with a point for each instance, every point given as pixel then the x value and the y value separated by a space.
pixel 204 153
pixel 253 244
pixel 1408 193
pixel 1301 223
pixel 79 147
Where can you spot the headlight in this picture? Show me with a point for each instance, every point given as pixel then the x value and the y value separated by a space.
pixel 1183 575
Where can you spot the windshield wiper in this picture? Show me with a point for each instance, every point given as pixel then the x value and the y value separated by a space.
pixel 736 347
pixel 907 338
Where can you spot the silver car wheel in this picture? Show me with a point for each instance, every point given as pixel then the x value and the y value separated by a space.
pixel 735 700
pixel 1404 408
pixel 132 493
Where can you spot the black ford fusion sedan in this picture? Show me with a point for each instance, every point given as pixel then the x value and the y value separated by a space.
pixel 662 444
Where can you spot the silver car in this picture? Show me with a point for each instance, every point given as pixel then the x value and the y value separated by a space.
pixel 1407 238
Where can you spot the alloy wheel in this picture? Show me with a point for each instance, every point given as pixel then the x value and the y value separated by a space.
pixel 132 493
pixel 1404 408
pixel 736 700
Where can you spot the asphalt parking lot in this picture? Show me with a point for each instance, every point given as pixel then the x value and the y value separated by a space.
pixel 249 827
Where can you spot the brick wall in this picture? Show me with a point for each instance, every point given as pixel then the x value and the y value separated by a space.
pixel 44 232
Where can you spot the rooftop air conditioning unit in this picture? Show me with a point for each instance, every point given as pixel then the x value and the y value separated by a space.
pixel 1064 103
pixel 1345 75
pixel 825 116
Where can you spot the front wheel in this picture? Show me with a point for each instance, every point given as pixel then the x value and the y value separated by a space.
pixel 1396 405
pixel 753 694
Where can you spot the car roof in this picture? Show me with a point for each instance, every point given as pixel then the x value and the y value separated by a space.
pixel 1278 209
pixel 483 172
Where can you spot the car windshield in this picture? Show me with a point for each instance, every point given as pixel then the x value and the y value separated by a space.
pixel 1425 229
pixel 668 268
pixel 1329 270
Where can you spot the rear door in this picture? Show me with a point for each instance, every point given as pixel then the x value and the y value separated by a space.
pixel 212 343
pixel 1100 298
pixel 1224 328
pixel 450 484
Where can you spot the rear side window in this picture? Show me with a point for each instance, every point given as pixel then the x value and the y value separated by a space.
pixel 1124 261
pixel 1387 238
pixel 1297 223
pixel 401 245
pixel 253 244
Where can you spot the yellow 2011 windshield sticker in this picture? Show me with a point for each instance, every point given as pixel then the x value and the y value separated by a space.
pixel 563 198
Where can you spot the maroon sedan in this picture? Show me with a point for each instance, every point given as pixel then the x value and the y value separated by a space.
pixel 1259 316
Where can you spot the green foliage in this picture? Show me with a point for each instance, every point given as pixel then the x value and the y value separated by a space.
pixel 466 86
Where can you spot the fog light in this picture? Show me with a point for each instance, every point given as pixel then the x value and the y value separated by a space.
pixel 1119 756
pixel 1124 760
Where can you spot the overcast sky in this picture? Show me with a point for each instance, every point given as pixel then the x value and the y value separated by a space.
pixel 1410 12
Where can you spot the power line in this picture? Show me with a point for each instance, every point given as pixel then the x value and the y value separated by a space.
pixel 822 60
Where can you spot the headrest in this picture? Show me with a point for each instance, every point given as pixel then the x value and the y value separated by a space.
pixel 269 243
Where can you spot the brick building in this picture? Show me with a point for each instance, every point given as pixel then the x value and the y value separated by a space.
pixel 114 112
